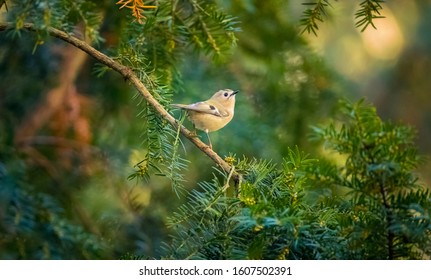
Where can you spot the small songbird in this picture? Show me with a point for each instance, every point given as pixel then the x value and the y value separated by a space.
pixel 212 114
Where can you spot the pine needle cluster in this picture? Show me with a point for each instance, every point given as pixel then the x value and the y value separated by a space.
pixel 317 12
pixel 66 15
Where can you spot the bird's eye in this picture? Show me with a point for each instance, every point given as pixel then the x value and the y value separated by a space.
pixel 226 94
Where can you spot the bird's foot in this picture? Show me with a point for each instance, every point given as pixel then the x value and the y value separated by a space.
pixel 194 134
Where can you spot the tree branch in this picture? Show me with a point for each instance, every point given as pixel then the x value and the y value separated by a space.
pixel 128 74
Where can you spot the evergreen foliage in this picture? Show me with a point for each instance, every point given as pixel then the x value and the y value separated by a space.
pixel 368 11
pixel 377 175
pixel 63 14
pixel 369 205
pixel 33 225
pixel 358 199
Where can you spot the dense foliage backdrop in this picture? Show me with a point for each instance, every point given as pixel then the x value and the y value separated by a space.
pixel 90 170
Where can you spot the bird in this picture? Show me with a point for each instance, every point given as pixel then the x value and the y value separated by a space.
pixel 212 114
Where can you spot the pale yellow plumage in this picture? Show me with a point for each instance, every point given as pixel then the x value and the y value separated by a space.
pixel 212 114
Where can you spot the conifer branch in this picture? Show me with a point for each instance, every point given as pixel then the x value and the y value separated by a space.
pixel 313 15
pixel 128 74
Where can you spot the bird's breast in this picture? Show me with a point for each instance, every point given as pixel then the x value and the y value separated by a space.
pixel 204 121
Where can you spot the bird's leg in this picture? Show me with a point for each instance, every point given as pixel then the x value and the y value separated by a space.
pixel 209 139
pixel 194 133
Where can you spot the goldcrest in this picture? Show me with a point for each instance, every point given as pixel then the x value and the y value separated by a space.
pixel 212 114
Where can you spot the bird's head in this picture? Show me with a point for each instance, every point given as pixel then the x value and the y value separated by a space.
pixel 226 97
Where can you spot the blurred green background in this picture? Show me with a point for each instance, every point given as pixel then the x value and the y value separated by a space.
pixel 71 158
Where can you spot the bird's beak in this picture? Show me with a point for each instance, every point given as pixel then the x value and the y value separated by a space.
pixel 235 92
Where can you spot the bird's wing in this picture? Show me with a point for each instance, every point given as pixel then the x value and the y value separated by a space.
pixel 203 107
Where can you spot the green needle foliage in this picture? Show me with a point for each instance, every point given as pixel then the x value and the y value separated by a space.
pixel 62 14
pixel 33 225
pixel 369 205
pixel 358 199
pixel 313 15
pixel 368 11
pixel 386 203
pixel 317 12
